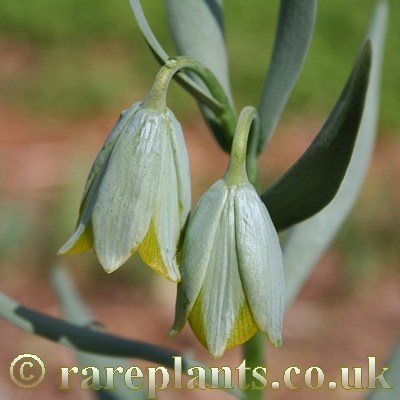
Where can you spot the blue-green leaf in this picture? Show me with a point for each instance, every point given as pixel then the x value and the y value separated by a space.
pixel 77 312
pixel 189 84
pixel 197 27
pixel 308 240
pixel 148 34
pixel 89 340
pixel 293 37
pixel 312 182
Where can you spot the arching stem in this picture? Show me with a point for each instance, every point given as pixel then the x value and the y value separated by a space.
pixel 243 161
pixel 219 104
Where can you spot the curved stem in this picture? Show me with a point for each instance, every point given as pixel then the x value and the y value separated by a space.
pixel 161 55
pixel 243 167
pixel 219 104
pixel 244 148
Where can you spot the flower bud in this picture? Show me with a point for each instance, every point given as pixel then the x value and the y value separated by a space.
pixel 137 196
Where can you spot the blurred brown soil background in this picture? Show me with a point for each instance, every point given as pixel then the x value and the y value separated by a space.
pixel 348 310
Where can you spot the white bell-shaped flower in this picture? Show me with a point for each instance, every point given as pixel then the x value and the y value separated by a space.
pixel 232 271
pixel 137 197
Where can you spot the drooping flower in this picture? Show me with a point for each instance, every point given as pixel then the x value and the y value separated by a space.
pixel 232 272
pixel 137 196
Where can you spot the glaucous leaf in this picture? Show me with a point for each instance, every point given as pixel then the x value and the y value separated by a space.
pixel 292 40
pixel 77 312
pixel 312 182
pixel 161 55
pixel 197 27
pixel 307 241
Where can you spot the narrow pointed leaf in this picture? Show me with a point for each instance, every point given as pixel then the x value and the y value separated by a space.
pixel 293 37
pixel 161 55
pixel 197 27
pixel 312 182
pixel 308 240
pixel 77 312
pixel 89 340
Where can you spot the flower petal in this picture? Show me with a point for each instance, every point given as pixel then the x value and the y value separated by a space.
pixel 260 262
pixel 82 238
pixel 125 202
pixel 158 249
pixel 196 251
pixel 181 167
pixel 217 317
pixel 102 156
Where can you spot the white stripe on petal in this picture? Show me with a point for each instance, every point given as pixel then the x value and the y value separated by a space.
pixel 260 262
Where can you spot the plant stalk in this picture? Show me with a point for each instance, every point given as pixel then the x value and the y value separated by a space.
pixel 254 354
pixel 219 104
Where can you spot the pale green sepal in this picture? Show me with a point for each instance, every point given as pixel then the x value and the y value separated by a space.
pixel 196 251
pixel 125 202
pixel 260 262
pixel 182 168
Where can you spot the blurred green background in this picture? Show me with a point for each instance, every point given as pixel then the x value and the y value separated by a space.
pixel 87 56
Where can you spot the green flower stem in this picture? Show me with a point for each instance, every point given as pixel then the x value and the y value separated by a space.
pixel 254 354
pixel 219 103
pixel 243 166
pixel 243 161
